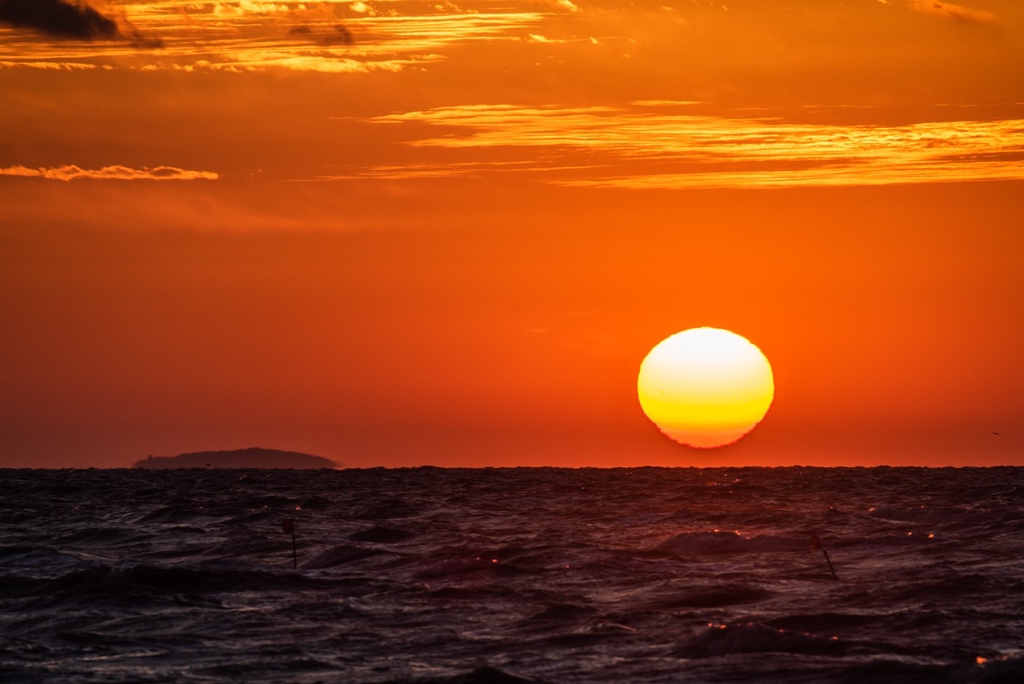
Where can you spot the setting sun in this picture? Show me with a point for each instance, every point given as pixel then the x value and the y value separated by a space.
pixel 705 387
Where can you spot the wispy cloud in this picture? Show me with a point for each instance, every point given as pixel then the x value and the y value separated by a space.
pixel 49 66
pixel 71 172
pixel 947 10
pixel 328 35
pixel 643 146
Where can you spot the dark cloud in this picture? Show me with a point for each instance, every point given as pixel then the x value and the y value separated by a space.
pixel 142 41
pixel 58 18
pixel 341 36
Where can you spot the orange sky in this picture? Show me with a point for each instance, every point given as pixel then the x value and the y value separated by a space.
pixel 448 233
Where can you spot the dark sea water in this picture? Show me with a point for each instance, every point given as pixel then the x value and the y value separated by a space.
pixel 512 575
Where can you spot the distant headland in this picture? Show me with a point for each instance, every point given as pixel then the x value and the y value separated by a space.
pixel 253 457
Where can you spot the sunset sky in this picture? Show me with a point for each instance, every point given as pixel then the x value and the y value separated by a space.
pixel 408 232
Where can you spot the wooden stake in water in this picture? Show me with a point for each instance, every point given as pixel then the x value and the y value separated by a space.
pixel 816 545
pixel 288 525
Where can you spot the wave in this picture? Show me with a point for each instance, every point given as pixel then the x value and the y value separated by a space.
pixel 341 555
pixel 32 560
pixel 104 537
pixel 175 513
pixel 391 507
pixel 557 615
pixel 717 597
pixel 481 675
pixel 143 583
pixel 382 535
pixel 480 565
pixel 932 514
pixel 827 622
pixel 705 543
pixel 997 669
pixel 752 637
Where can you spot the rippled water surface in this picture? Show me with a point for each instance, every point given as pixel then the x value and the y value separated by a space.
pixel 512 575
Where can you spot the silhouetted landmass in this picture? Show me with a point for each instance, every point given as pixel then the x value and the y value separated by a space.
pixel 253 457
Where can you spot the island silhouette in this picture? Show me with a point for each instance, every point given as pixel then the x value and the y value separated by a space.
pixel 253 457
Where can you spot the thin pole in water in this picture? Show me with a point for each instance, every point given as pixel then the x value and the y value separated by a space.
pixel 816 545
pixel 288 525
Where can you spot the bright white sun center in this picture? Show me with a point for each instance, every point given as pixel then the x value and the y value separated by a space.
pixel 705 387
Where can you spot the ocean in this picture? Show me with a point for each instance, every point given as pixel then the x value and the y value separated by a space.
pixel 506 576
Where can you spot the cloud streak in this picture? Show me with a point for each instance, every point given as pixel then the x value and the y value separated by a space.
pixel 71 172
pixel 58 19
pixel 947 10
pixel 642 146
